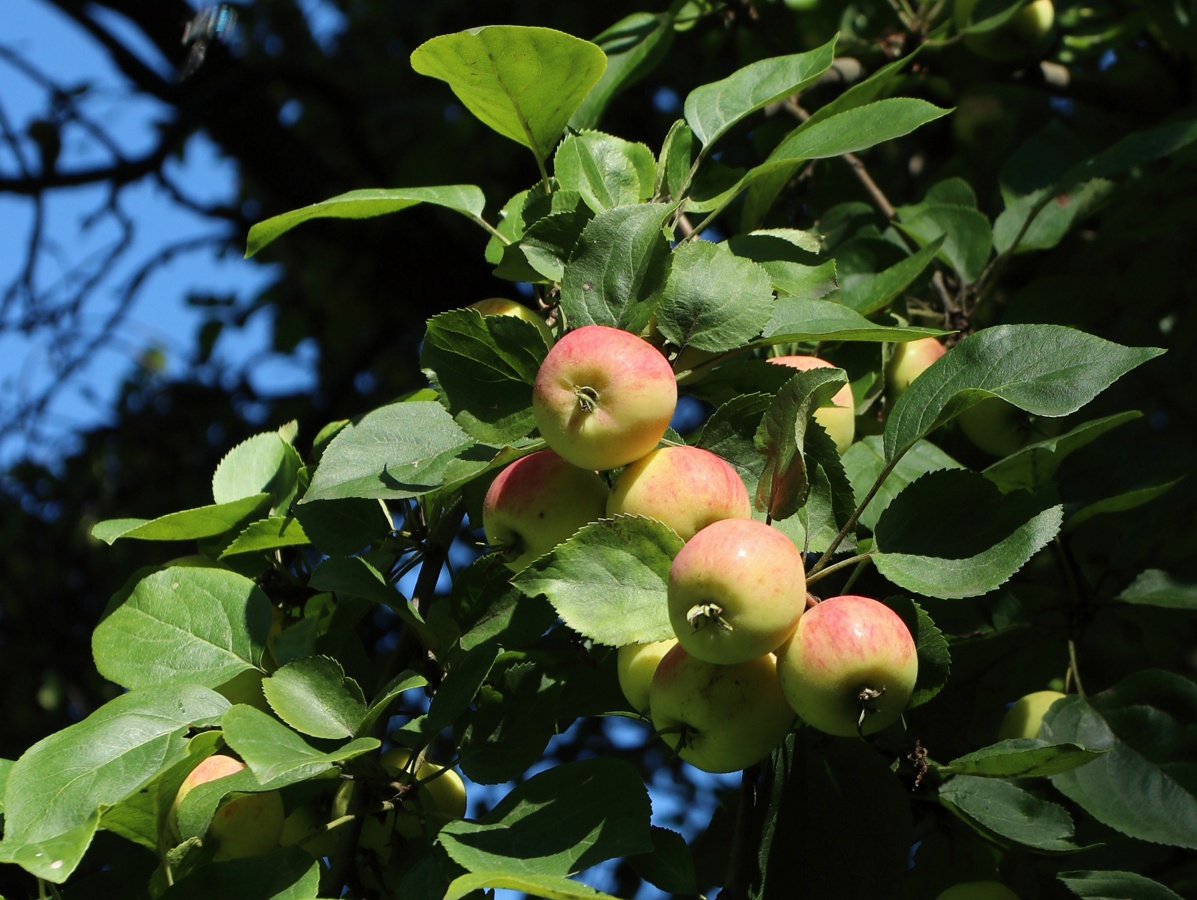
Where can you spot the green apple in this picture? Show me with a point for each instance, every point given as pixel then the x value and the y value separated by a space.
pixel 304 822
pixel 249 825
pixel 603 397
pixel 499 306
pixel 687 488
pixel 1023 718
pixel 736 591
pixel 849 667
pixel 635 665
pixel 839 419
pixel 1001 428
pixel 719 718
pixel 978 890
pixel 909 361
pixel 439 798
pixel 537 502
pixel 1022 35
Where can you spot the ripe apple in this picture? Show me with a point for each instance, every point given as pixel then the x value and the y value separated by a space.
pixel 736 590
pixel 1020 36
pixel 1023 718
pixel 250 825
pixel 839 420
pixel 687 488
pixel 499 306
pixel 978 890
pixel 635 664
pixel 719 718
pixel 1001 428
pixel 603 397
pixel 439 798
pixel 909 361
pixel 849 667
pixel 537 502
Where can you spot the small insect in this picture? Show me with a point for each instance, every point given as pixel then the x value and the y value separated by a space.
pixel 209 23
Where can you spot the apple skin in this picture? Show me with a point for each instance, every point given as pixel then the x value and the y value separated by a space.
pixel 250 825
pixel 635 664
pixel 1001 428
pixel 841 646
pixel 839 421
pixel 687 488
pixel 500 306
pixel 733 715
pixel 439 798
pixel 753 578
pixel 1019 37
pixel 537 502
pixel 1022 720
pixel 978 890
pixel 909 361
pixel 603 397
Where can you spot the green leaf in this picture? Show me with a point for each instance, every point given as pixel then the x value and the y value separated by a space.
pixel 1145 785
pixel 634 46
pixel 1156 587
pixel 514 718
pixel 548 886
pixel 670 866
pixel 486 606
pixel 1036 465
pixel 404 681
pixel 1048 370
pixel 578 577
pixel 793 266
pixel 605 170
pixel 263 464
pixel 712 109
pixel 397 451
pixel 187 525
pixel 677 157
pixel 964 236
pixel 1021 758
pixel 523 82
pixel 289 874
pixel 314 697
pixel 869 282
pixel 355 577
pixel 344 527
pixel 1010 812
pixel 964 549
pixel 865 462
pixel 366 204
pixel 484 367
pixel 58 787
pixel 1110 885
pixel 453 696
pixel 276 754
pixel 575 815
pixel 619 268
pixel 1052 221
pixel 796 319
pixel 935 659
pixel 184 624
pixel 266 535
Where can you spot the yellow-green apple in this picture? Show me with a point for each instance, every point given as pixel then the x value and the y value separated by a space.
pixel 1017 38
pixel 635 665
pixel 736 591
pixel 1023 718
pixel 719 718
pixel 439 797
pixel 909 361
pixel 250 825
pixel 603 397
pixel 499 306
pixel 537 502
pixel 849 667
pixel 1001 428
pixel 687 488
pixel 978 890
pixel 839 419
pixel 303 824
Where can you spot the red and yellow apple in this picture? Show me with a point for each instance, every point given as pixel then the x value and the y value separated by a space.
pixel 687 488
pixel 635 664
pixel 719 718
pixel 603 397
pixel 1025 715
pixel 499 306
pixel 249 825
pixel 839 419
pixel 736 591
pixel 849 667
pixel 909 361
pixel 537 502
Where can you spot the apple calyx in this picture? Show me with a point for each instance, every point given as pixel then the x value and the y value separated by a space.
pixel 867 707
pixel 588 398
pixel 701 614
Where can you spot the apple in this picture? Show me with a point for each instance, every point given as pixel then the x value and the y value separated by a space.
pixel 1023 718
pixel 1001 428
pixel 909 361
pixel 736 591
pixel 537 502
pixel 687 488
pixel 302 823
pixel 839 420
pixel 439 797
pixel 603 397
pixel 978 890
pixel 250 825
pixel 635 665
pixel 499 306
pixel 1019 37
pixel 719 718
pixel 849 667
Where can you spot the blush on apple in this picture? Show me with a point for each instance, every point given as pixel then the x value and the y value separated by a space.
pixel 250 825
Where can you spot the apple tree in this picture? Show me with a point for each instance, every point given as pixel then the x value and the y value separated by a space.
pixel 899 575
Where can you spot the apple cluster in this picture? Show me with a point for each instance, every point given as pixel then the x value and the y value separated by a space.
pixel 747 654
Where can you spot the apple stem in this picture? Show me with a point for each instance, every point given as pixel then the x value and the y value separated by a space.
pixel 701 613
